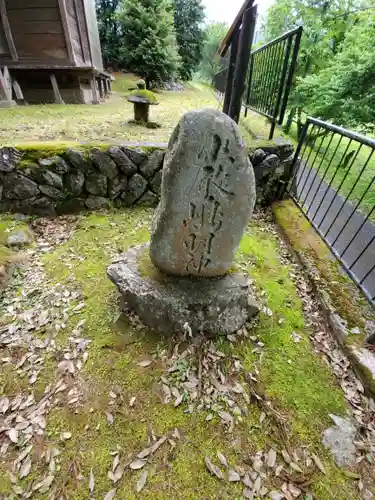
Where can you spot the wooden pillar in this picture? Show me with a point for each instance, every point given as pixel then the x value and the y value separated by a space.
pixel 101 89
pixel 94 90
pixel 110 85
pixel 243 56
pixel 106 88
pixel 231 68
pixel 18 91
pixel 5 85
pixel 56 90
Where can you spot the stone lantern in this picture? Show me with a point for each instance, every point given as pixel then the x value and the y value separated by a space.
pixel 142 100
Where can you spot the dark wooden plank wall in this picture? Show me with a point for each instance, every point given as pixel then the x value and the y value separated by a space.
pixel 92 24
pixel 37 31
pixel 4 49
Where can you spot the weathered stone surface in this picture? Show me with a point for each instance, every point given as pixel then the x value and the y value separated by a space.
pixel 17 186
pixel 96 203
pixel 74 181
pixel 340 440
pixel 19 238
pixel 104 163
pixel 78 160
pixel 44 176
pixel 9 159
pixel 268 165
pixel 96 184
pixel 257 156
pixel 123 161
pixel 137 156
pixel 117 186
pixel 155 182
pixel 149 199
pixel 167 303
pixel 207 197
pixel 45 207
pixel 55 163
pixel 153 164
pixel 280 148
pixel 51 192
pixel 71 206
pixel 136 187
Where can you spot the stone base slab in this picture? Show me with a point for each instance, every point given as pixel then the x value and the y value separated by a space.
pixel 214 306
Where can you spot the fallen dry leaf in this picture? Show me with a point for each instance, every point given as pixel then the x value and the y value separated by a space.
pixel 145 363
pixel 318 463
pixel 233 476
pixel 13 435
pixel 215 471
pixel 91 481
pixel 271 458
pixel 25 468
pixel 110 495
pixel 137 464
pixel 64 436
pixel 222 459
pixel 142 481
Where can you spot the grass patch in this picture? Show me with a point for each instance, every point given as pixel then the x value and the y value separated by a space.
pixel 303 390
pixel 64 124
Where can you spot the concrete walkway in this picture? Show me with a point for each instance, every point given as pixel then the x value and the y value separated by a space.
pixel 329 211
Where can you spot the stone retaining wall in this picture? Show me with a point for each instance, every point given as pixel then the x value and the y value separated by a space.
pixel 94 178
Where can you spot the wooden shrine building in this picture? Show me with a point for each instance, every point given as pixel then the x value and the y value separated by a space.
pixel 50 53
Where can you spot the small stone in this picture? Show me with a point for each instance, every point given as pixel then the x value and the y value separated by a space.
pixel 51 192
pixel 96 184
pixel 153 164
pixel 123 161
pixel 9 159
pixel 19 239
pixel 96 203
pixel 17 186
pixel 77 159
pixel 44 176
pixel 72 206
pixel 136 187
pixel 269 164
pixel 44 207
pixel 340 440
pixel 117 187
pixel 149 199
pixel 155 182
pixel 104 163
pixel 55 163
pixel 137 156
pixel 208 196
pixel 74 182
pixel 257 156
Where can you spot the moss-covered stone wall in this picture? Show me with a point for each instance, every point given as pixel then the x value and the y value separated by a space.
pixel 58 180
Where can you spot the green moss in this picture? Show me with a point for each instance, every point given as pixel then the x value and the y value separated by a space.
pixel 342 292
pixel 145 94
pixel 304 391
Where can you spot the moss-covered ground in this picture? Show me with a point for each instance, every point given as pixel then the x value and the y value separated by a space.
pixel 343 294
pixel 292 376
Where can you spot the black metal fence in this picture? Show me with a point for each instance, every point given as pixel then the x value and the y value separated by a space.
pixel 270 79
pixel 333 182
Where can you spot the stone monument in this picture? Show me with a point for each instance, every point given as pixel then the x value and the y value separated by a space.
pixel 184 281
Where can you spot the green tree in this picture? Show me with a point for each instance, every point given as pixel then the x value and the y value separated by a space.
pixel 211 62
pixel 149 41
pixel 109 32
pixel 344 91
pixel 188 18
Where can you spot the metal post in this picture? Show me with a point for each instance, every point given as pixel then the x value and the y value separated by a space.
pixel 242 63
pixel 231 68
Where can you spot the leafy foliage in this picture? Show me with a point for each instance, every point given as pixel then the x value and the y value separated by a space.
pixel 109 31
pixel 345 90
pixel 188 18
pixel 210 63
pixel 149 42
pixel 330 28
